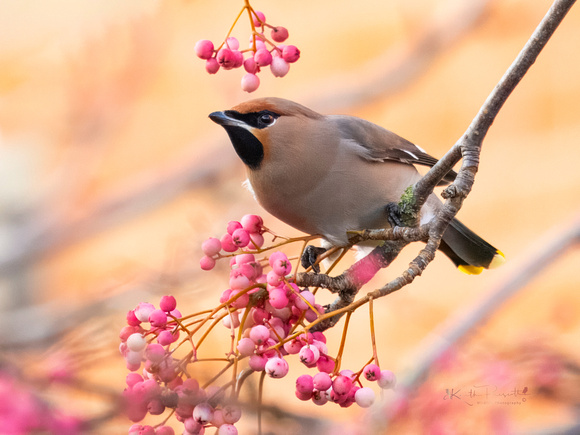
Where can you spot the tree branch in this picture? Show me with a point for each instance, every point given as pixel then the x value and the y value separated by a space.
pixel 467 148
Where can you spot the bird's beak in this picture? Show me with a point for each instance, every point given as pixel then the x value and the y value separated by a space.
pixel 224 120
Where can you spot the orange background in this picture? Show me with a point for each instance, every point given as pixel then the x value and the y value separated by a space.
pixel 103 102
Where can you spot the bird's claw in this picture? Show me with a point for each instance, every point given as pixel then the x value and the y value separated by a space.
pixel 394 214
pixel 309 257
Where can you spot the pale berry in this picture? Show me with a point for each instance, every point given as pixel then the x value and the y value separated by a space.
pixel 192 427
pixel 143 310
pixel 252 223
pixel 279 67
pixel 279 34
pixel 276 367
pixel 227 243
pixel 322 381
pixel 303 300
pixel 212 66
pixel 211 247
pixel 203 413
pixel 290 53
pixel 158 318
pixel 250 82
pixel 232 413
pixel 241 238
pixel 258 18
pixel 257 362
pixel 232 43
pixel 278 298
pixel 259 334
pixel 238 280
pixel 227 429
pixel 226 58
pixel 136 342
pixel 387 379
pixel 206 263
pixel 263 57
pixel 364 397
pixel 204 49
pixel 232 320
pixel 304 384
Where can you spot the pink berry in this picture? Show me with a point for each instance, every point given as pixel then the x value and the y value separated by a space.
pixel 132 319
pixel 319 398
pixel 259 334
pixel 241 238
pixel 233 226
pixel 238 281
pixel 364 397
pixel 250 82
pixel 276 367
pixel 204 49
pixel 263 57
pixel 278 298
pixel 252 223
pixel 133 378
pixel 251 66
pixel 259 18
pixel 165 338
pixel 302 299
pixel 257 362
pixel 290 53
pixel 158 318
pixel 232 414
pixel 304 384
pixel 227 429
pixel 279 34
pixel 226 58
pixel 246 347
pixel 211 247
pixel 241 301
pixel 279 67
pixel 322 381
pixel 257 240
pixel 275 256
pixel 303 396
pixel 239 58
pixel 168 303
pixel 228 243
pixel 164 430
pixel 309 355
pixel 372 372
pixel 341 385
pixel 232 43
pixel 325 364
pixel 282 267
pixel 245 258
pixel 212 66
pixel 206 263
pixel 387 379
pixel 273 279
pixel 155 352
pixel 293 346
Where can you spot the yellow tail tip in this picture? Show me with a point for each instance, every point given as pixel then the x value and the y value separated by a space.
pixel 470 270
pixel 497 260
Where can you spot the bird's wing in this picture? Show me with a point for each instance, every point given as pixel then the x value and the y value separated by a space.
pixel 375 143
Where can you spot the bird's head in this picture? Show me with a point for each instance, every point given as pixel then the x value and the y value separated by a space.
pixel 254 126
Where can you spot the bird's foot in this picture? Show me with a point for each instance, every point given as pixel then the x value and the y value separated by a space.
pixel 309 257
pixel 394 214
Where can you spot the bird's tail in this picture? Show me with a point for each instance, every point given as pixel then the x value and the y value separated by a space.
pixel 470 253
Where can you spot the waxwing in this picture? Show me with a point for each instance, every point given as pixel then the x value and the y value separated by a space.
pixel 328 174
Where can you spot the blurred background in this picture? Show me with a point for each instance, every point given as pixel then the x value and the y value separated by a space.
pixel 111 176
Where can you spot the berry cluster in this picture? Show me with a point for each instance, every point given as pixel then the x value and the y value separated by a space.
pixel 262 52
pixel 269 318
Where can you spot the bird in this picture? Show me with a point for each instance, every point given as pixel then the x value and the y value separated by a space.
pixel 330 174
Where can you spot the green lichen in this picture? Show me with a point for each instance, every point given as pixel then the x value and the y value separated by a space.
pixel 407 207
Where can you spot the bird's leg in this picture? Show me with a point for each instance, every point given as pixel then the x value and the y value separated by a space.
pixel 309 257
pixel 394 214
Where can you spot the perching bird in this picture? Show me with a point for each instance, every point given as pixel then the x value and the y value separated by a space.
pixel 330 174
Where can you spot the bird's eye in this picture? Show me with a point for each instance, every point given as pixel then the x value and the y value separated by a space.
pixel 266 119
